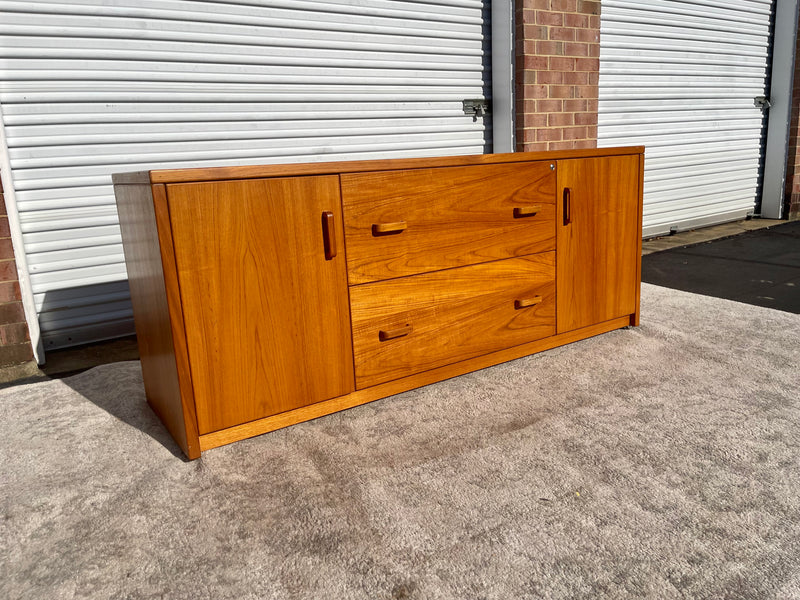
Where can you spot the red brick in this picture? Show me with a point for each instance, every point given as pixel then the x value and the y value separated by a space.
pixel 548 106
pixel 576 49
pixel 2 205
pixel 591 106
pixel 4 230
pixel 575 106
pixel 586 91
pixel 589 7
pixel 545 48
pixel 580 21
pixel 594 50
pixel 562 63
pixel 538 147
pixel 562 91
pixel 587 64
pixel 535 91
pixel 529 77
pixel 538 63
pixel 586 119
pixel 577 78
pixel 535 120
pixel 559 119
pixel 534 32
pixel 11 312
pixel 594 22
pixel 8 270
pixel 6 248
pixel 548 135
pixel 587 35
pixel 566 6
pixel 562 33
pixel 569 145
pixel 15 333
pixel 16 354
pixel 529 106
pixel 585 144
pixel 9 290
pixel 591 132
pixel 551 77
pixel 536 4
pixel 574 133
pixel 594 78
pixel 529 47
pixel 549 18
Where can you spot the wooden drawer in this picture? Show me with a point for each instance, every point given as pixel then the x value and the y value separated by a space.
pixel 413 324
pixel 400 223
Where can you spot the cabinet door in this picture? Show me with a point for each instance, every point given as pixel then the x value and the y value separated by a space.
pixel 598 240
pixel 267 317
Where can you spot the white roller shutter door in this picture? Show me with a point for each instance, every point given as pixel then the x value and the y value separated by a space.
pixel 93 87
pixel 680 77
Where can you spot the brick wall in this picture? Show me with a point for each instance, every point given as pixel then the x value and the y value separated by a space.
pixel 15 347
pixel 557 69
pixel 793 155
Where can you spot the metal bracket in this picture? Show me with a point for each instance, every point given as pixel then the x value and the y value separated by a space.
pixel 762 102
pixel 476 107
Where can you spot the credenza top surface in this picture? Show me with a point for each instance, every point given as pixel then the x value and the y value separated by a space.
pixel 325 168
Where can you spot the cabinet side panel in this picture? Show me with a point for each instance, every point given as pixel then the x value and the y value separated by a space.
pixel 140 238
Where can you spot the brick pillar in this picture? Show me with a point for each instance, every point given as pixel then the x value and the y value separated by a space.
pixel 557 70
pixel 15 345
pixel 793 154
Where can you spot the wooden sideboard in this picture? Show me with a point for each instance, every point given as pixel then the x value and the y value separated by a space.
pixel 265 296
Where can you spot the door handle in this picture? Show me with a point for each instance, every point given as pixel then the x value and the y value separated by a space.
pixel 388 228
pixel 390 334
pixel 567 207
pixel 328 235
pixel 525 211
pixel 526 302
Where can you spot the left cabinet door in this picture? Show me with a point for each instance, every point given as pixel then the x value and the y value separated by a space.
pixel 263 284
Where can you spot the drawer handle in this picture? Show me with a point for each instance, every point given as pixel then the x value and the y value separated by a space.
pixel 567 206
pixel 526 302
pixel 328 235
pixel 526 211
pixel 391 334
pixel 388 228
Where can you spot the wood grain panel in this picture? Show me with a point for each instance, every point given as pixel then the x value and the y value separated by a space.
pixel 156 311
pixel 453 315
pixel 307 413
pixel 270 324
pixel 598 251
pixel 451 217
pixel 359 166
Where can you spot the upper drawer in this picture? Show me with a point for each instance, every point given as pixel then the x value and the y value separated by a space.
pixel 401 223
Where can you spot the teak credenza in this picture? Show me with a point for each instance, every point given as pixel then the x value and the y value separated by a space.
pixel 264 296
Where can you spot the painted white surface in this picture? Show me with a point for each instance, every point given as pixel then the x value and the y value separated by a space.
pixel 679 77
pixel 93 87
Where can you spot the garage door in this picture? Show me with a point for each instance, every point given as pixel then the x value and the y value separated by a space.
pixel 681 77
pixel 92 87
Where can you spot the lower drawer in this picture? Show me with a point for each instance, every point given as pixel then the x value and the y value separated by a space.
pixel 411 324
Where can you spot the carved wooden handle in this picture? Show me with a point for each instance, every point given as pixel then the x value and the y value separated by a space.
pixel 390 334
pixel 387 228
pixel 328 235
pixel 525 211
pixel 526 302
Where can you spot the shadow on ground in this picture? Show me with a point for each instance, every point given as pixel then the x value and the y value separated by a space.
pixel 759 267
pixel 118 389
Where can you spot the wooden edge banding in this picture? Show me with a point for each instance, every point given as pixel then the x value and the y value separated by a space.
pixel 637 309
pixel 335 168
pixel 313 411
pixel 176 320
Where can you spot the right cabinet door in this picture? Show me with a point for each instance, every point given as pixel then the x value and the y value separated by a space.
pixel 597 240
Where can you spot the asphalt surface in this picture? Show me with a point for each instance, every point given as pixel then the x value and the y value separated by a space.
pixel 760 267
